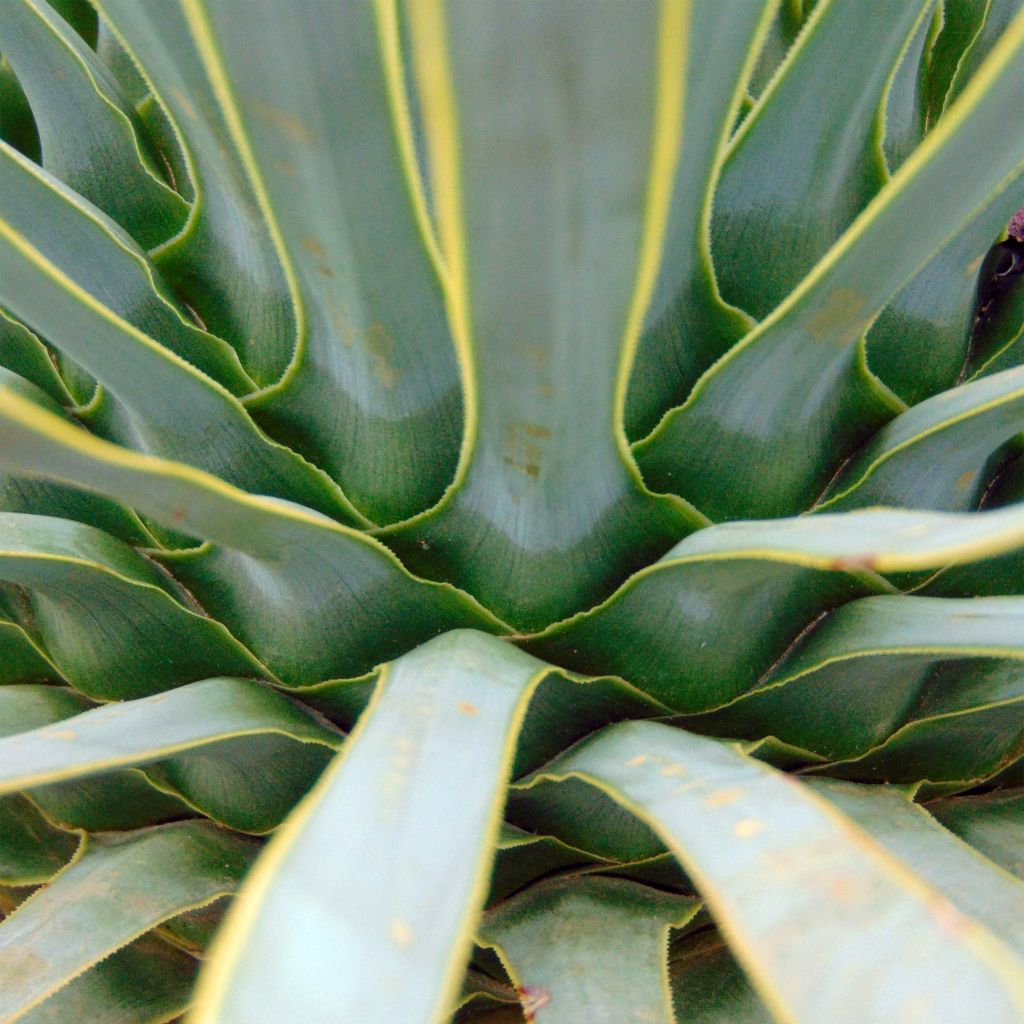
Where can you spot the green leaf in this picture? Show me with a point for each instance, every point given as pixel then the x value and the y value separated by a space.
pixel 223 262
pixel 999 14
pixel 32 849
pixel 109 620
pixel 17 126
pixel 375 369
pixel 973 884
pixel 822 401
pixel 147 982
pixel 961 20
pixel 788 191
pixel 687 325
pixel 276 575
pixel 965 727
pixel 39 497
pixel 382 869
pixel 150 383
pixel 562 942
pixel 522 857
pixel 822 918
pixel 870 667
pixel 77 241
pixel 124 800
pixel 85 126
pixel 904 113
pixel 236 750
pixel 22 352
pixel 992 823
pixel 919 344
pixel 941 454
pixel 701 625
pixel 553 194
pixel 21 659
pixel 709 987
pixel 119 887
pixel 995 343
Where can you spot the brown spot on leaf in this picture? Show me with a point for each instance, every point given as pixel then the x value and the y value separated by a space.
pixel 964 479
pixel 747 828
pixel 20 965
pixel 292 126
pixel 723 797
pixel 313 247
pixel 531 469
pixel 468 709
pixel 840 318
pixel 401 933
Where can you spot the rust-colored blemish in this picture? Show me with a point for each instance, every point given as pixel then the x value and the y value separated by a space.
pixel 947 917
pixel 59 734
pixel 381 347
pixel 747 828
pixel 313 247
pixel 841 317
pixel 533 998
pixel 532 429
pixel 291 125
pixel 401 933
pixel 853 563
pixel 672 769
pixel 538 355
pixel 523 450
pixel 633 762
pixel 723 797
pixel 178 513
pixel 845 890
pixel 467 709
pixel 21 965
pixel 964 479
pixel 531 469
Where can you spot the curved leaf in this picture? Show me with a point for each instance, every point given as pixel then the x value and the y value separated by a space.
pixel 823 920
pixel 562 942
pixel 991 822
pixel 821 402
pixel 235 750
pixel 786 192
pixel 85 125
pixel 373 391
pixel 974 885
pixel 687 325
pixel 941 454
pixel 381 937
pixel 110 621
pixel 223 261
pixel 545 480
pixel 147 982
pixel 870 668
pixel 277 575
pixel 119 887
pixel 922 339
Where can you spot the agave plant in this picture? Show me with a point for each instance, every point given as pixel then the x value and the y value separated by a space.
pixel 527 495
